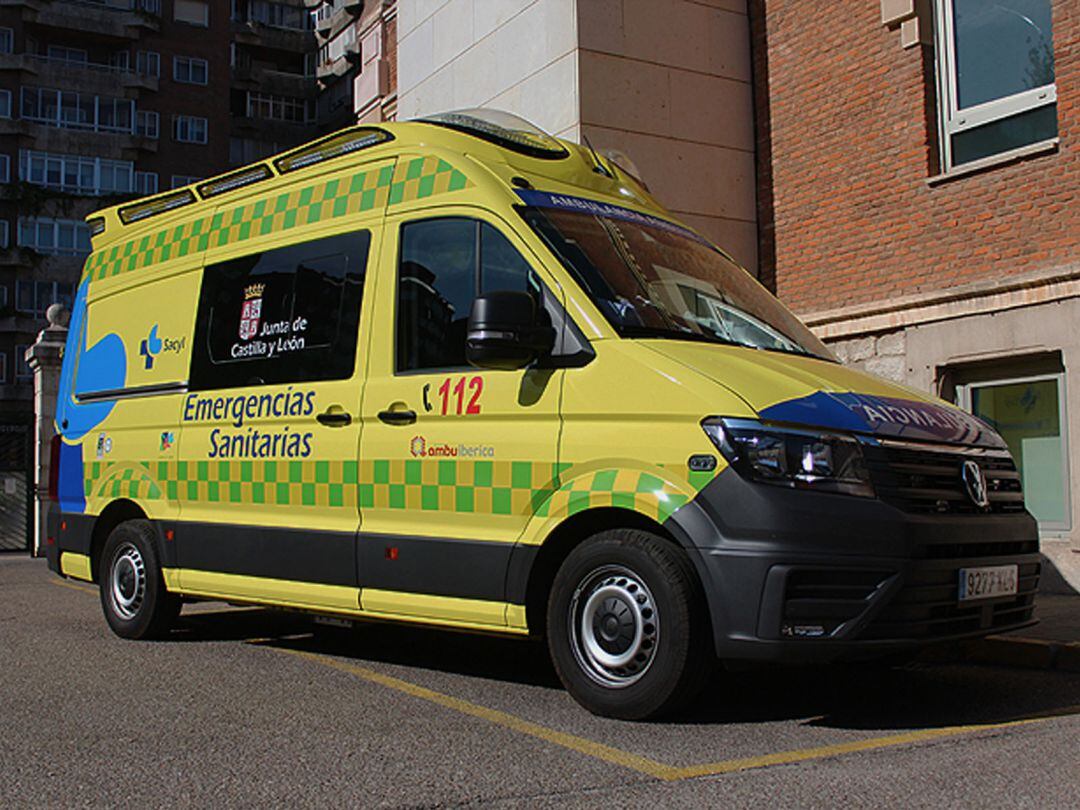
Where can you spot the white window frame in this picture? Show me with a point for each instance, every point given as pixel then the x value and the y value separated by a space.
pixel 61 121
pixel 148 63
pixel 145 129
pixel 181 180
pixel 6 94
pixel 35 167
pixel 146 183
pixel 963 399
pixel 952 120
pixel 78 227
pixel 183 124
pixel 184 70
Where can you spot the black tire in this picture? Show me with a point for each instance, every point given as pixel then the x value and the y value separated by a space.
pixel 133 595
pixel 646 652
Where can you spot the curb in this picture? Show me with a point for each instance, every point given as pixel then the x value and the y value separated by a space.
pixel 1009 651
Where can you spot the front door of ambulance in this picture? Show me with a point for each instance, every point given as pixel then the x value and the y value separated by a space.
pixel 267 459
pixel 454 460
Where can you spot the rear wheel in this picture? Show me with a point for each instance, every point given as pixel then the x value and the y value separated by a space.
pixel 626 623
pixel 133 595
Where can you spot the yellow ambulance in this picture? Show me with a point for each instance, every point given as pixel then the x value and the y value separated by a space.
pixel 458 372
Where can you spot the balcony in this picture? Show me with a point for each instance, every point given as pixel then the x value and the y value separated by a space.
pixel 330 26
pixel 267 36
pixel 84 77
pixel 112 19
pixel 111 145
pixel 277 82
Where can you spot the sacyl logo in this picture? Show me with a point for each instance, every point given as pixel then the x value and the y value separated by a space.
pixel 150 347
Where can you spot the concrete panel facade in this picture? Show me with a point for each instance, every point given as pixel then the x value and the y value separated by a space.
pixel 667 82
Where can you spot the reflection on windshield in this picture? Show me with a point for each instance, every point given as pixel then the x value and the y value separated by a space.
pixel 665 282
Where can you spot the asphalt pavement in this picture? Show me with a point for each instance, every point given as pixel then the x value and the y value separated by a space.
pixel 246 707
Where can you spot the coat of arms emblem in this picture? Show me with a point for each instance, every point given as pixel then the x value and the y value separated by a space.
pixel 251 311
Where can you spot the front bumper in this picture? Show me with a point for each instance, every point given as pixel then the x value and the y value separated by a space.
pixel 802 576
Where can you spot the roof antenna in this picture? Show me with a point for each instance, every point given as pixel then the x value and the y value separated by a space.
pixel 598 166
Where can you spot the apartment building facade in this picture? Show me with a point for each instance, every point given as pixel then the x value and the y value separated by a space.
pixel 106 99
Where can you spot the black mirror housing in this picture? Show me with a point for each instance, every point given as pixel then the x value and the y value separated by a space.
pixel 507 331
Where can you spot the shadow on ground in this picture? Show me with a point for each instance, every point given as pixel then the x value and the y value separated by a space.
pixel 842 697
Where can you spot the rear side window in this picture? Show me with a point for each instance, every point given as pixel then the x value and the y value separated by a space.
pixel 443 263
pixel 286 315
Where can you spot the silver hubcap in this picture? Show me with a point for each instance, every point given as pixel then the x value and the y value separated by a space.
pixel 614 626
pixel 127 581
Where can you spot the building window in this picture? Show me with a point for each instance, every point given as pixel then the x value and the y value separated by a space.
pixel 70 110
pixel 148 63
pixel 34 297
pixel 3 363
pixel 5 168
pixel 150 6
pixel 189 129
pixel 146 123
pixel 995 77
pixel 181 180
pixel 190 70
pixel 1030 415
pixel 75 56
pixel 5 104
pixel 249 150
pixel 276 108
pixel 55 237
pixel 5 241
pixel 3 292
pixel 23 373
pixel 279 15
pixel 193 12
pixel 76 174
pixel 7 40
pixel 146 183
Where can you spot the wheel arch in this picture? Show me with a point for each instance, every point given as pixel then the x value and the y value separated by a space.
pixel 563 539
pixel 111 516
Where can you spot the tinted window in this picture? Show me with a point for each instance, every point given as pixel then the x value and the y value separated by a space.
pixel 285 315
pixel 443 263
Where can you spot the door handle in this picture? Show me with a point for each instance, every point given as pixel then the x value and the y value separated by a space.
pixel 334 416
pixel 397 417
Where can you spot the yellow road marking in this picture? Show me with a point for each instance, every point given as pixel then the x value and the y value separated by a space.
pixel 635 762
pixel 560 738
pixel 73 586
pixel 651 767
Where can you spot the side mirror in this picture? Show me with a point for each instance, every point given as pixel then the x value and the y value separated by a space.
pixel 507 331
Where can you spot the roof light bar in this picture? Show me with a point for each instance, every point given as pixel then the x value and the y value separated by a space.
pixel 228 182
pixel 341 143
pixel 158 205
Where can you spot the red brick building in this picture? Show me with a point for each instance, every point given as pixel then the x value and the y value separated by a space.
pixel 919 204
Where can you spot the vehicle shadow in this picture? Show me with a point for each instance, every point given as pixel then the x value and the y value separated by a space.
pixel 837 696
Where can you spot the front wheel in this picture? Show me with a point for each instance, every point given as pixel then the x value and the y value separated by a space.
pixel 626 625
pixel 133 595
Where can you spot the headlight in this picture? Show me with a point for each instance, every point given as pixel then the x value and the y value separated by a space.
pixel 790 457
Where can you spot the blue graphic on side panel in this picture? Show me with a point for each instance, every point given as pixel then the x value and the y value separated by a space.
pixel 885 416
pixel 101 367
pixel 150 347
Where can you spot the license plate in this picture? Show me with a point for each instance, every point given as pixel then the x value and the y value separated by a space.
pixel 987 582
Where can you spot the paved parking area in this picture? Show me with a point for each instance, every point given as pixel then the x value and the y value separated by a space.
pixel 247 707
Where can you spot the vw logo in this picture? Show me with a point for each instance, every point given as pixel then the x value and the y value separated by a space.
pixel 975 483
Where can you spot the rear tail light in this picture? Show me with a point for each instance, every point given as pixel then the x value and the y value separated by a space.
pixel 54 468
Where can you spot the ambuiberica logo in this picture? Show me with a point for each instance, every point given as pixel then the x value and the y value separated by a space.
pixel 419 447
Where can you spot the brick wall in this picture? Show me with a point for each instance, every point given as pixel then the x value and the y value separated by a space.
pixel 846 141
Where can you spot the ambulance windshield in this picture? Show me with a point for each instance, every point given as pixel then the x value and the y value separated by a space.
pixel 653 279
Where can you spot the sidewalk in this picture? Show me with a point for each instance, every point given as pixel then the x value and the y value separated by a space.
pixel 1054 643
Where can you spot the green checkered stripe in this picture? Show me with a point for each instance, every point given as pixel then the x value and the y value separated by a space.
pixel 280 483
pixel 120 481
pixel 625 489
pixel 449 485
pixel 389 184
pixel 523 488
